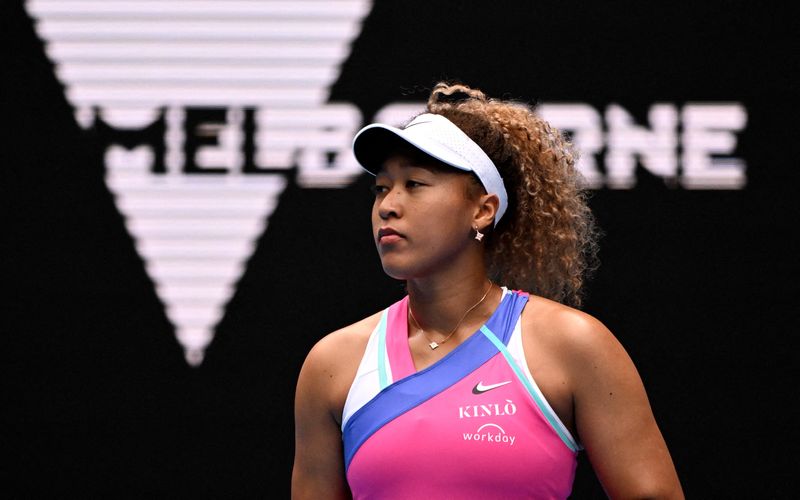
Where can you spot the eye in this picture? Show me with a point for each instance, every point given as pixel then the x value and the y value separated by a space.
pixel 411 183
pixel 378 189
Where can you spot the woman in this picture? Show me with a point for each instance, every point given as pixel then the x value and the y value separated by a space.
pixel 466 389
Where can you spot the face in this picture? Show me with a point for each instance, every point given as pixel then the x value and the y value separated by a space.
pixel 422 216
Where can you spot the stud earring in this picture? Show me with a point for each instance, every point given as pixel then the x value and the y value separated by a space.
pixel 478 234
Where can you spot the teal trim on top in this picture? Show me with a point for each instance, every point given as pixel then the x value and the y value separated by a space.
pixel 551 419
pixel 383 377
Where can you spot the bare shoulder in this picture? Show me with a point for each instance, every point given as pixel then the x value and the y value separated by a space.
pixel 331 365
pixel 563 349
pixel 322 388
pixel 573 350
pixel 595 388
pixel 573 332
pixel 339 344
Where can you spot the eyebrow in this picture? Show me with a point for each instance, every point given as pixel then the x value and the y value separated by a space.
pixel 432 169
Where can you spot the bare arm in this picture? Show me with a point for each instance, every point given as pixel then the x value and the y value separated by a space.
pixel 614 419
pixel 322 388
pixel 318 463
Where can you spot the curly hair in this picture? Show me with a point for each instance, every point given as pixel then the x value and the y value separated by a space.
pixel 546 242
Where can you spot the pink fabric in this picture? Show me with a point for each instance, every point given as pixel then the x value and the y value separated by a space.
pixel 495 444
pixel 397 340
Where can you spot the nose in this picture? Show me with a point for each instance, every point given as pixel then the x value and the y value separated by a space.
pixel 389 205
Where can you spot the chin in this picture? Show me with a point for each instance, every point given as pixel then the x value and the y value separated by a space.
pixel 395 268
pixel 395 272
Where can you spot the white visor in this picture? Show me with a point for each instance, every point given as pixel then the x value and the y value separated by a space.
pixel 438 137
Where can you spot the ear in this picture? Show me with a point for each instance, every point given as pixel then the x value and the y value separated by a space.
pixel 486 211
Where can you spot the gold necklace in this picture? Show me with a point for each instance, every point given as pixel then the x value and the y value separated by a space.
pixel 433 344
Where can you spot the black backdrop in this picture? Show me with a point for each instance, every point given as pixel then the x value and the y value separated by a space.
pixel 698 285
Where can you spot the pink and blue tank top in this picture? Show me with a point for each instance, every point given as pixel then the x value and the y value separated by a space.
pixel 472 425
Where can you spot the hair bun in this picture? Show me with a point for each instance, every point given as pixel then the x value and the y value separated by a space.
pixel 444 93
pixel 457 96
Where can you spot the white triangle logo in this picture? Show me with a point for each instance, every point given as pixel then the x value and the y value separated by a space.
pixel 195 235
pixel 126 62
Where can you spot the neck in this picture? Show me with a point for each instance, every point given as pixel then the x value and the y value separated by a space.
pixel 438 303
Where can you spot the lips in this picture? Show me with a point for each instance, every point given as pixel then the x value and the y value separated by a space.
pixel 388 235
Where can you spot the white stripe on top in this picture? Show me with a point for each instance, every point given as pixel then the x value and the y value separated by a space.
pixel 366 384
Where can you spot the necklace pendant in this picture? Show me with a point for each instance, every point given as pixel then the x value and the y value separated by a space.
pixel 433 345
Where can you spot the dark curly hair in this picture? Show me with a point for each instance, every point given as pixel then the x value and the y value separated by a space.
pixel 546 243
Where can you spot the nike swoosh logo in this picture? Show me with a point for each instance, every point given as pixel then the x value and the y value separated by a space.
pixel 480 388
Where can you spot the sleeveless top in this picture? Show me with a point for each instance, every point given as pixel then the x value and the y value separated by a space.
pixel 472 425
